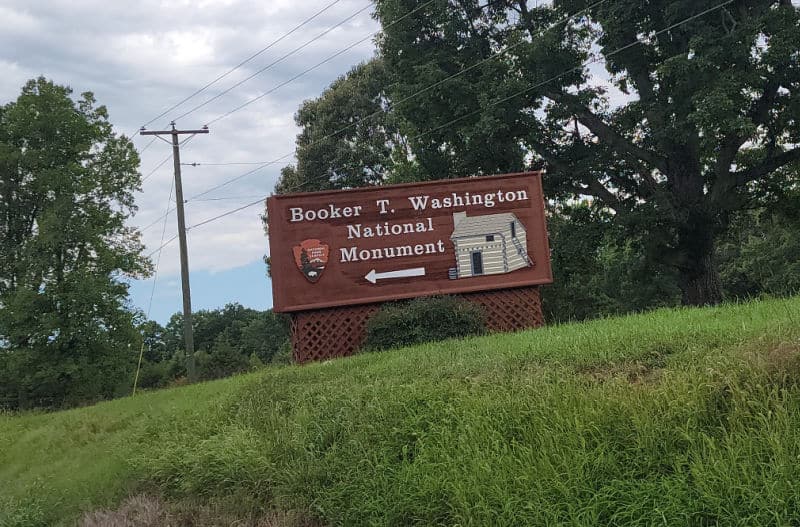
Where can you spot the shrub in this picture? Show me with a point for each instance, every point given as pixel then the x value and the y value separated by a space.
pixel 423 320
pixel 284 355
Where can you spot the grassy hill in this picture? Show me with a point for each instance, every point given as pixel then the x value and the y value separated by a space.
pixel 676 417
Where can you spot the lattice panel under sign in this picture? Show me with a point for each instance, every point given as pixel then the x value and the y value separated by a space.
pixel 338 332
pixel 510 309
pixel 328 333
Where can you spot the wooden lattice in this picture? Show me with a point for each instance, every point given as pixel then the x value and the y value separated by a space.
pixel 328 333
pixel 338 332
pixel 510 309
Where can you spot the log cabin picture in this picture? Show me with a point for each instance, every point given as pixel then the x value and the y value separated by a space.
pixel 488 244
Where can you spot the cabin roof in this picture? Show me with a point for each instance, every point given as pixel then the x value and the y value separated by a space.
pixel 483 225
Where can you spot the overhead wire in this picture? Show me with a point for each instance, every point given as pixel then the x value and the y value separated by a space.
pixel 228 213
pixel 240 176
pixel 494 103
pixel 423 90
pixel 148 145
pixel 242 63
pixel 317 65
pixel 160 164
pixel 555 77
pixel 157 220
pixel 227 198
pixel 197 164
pixel 273 63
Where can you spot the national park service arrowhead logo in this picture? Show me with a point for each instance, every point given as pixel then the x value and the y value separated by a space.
pixel 311 256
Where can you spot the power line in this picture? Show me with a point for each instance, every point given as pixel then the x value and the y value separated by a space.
pixel 268 66
pixel 148 145
pixel 157 220
pixel 165 159
pixel 237 178
pixel 149 174
pixel 242 63
pixel 566 72
pixel 317 65
pixel 151 253
pixel 494 103
pixel 197 164
pixel 227 198
pixel 210 220
pixel 422 6
pixel 228 213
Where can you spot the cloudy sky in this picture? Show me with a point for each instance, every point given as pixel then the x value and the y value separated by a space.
pixel 140 58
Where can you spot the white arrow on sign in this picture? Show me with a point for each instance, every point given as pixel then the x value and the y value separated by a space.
pixel 373 277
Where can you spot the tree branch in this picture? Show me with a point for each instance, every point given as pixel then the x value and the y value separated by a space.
pixel 732 142
pixel 770 164
pixel 606 133
pixel 597 189
pixel 592 187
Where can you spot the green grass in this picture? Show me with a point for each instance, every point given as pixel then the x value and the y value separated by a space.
pixel 676 417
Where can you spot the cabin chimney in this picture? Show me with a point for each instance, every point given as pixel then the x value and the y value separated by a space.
pixel 458 216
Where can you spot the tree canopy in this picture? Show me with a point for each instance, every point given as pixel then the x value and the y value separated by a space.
pixel 228 340
pixel 66 190
pixel 348 137
pixel 709 124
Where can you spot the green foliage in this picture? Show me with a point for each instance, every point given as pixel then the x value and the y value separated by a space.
pixel 598 270
pixel 674 417
pixel 229 340
pixel 222 361
pixel 254 363
pixel 66 191
pixel 669 166
pixel 284 356
pixel 249 330
pixel 348 136
pixel 423 320
pixel 711 124
pixel 601 269
pixel 761 255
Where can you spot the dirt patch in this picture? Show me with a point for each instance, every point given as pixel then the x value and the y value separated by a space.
pixel 645 370
pixel 149 511
pixel 634 372
pixel 780 362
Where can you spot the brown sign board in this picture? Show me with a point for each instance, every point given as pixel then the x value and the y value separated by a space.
pixel 375 244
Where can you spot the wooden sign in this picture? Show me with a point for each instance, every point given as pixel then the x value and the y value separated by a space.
pixel 376 244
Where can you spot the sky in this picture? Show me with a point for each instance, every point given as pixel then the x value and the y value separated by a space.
pixel 140 58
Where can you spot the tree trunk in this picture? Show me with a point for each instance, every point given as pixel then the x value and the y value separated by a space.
pixel 697 231
pixel 700 283
pixel 699 279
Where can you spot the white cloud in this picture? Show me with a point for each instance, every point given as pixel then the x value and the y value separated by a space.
pixel 140 58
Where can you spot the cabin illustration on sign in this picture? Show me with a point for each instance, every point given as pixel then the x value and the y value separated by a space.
pixel 488 244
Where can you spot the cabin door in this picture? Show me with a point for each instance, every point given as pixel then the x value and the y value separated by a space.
pixel 477 263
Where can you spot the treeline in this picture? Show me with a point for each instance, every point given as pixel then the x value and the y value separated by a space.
pixel 602 267
pixel 68 335
pixel 230 340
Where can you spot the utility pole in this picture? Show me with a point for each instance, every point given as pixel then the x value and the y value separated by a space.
pixel 188 335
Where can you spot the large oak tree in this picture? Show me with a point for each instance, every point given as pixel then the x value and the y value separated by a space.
pixel 710 124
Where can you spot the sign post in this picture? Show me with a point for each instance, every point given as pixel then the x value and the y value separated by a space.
pixel 345 252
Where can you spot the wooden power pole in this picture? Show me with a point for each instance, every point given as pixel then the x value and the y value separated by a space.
pixel 188 335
